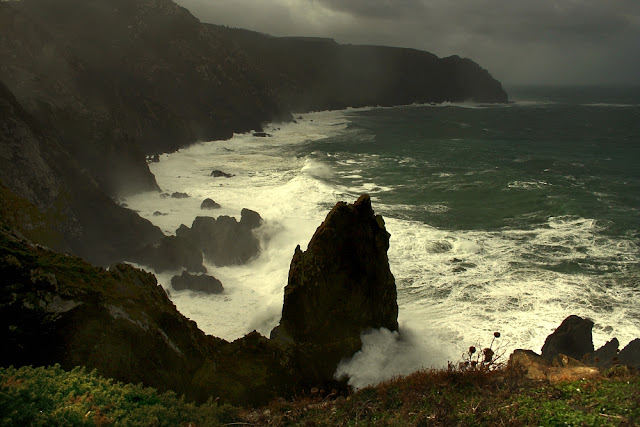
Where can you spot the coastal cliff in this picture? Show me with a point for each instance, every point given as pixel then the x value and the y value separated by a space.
pixel 114 81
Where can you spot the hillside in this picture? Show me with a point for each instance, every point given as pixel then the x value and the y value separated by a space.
pixel 113 81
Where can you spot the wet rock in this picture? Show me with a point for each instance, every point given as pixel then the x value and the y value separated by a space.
pixel 338 288
pixel 250 219
pixel 218 173
pixel 573 338
pixel 201 283
pixel 223 241
pixel 209 204
pixel 178 195
pixel 262 134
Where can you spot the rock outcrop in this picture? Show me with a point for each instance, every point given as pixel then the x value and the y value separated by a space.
pixel 573 338
pixel 338 288
pixel 200 283
pixel 562 368
pixel 224 241
pixel 568 354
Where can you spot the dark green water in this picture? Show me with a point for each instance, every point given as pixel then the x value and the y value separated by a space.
pixel 504 216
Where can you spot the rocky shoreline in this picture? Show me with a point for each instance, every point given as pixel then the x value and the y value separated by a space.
pixel 120 322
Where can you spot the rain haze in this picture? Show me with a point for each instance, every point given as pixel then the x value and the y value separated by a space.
pixel 519 42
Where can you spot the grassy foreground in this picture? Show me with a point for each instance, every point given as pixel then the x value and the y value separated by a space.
pixel 52 396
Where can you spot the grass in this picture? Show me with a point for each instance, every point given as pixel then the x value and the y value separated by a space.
pixel 52 396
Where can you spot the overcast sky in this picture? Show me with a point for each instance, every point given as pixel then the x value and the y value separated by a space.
pixel 518 41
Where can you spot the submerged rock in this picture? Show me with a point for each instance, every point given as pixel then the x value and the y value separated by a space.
pixel 201 283
pixel 179 195
pixel 338 288
pixel 262 134
pixel 218 173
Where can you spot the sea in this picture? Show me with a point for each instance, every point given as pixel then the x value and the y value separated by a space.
pixel 503 218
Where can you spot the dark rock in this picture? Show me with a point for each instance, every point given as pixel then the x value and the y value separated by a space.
pixel 218 173
pixel 200 283
pixel 573 338
pixel 630 355
pixel 262 134
pixel 250 219
pixel 172 253
pixel 158 213
pixel 209 204
pixel 178 195
pixel 338 288
pixel 224 241
pixel 603 357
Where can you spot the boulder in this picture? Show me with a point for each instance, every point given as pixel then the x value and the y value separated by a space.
pixel 201 283
pixel 218 173
pixel 573 338
pixel 209 204
pixel 178 195
pixel 338 288
pixel 535 367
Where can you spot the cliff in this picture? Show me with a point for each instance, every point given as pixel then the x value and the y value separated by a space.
pixel 45 194
pixel 320 74
pixel 115 80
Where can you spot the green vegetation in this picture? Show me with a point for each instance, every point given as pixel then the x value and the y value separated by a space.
pixel 453 396
pixel 51 396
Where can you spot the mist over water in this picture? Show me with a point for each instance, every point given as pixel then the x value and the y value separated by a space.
pixel 502 218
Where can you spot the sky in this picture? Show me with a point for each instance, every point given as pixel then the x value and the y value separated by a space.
pixel 518 41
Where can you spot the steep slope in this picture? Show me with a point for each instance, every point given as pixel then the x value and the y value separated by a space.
pixel 120 79
pixel 45 195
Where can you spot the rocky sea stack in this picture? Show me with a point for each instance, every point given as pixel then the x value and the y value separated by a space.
pixel 338 288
